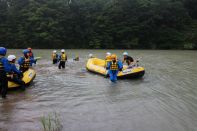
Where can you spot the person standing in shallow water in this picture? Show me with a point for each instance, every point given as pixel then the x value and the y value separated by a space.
pixel 63 59
pixel 114 67
pixel 3 70
pixel 107 58
pixel 55 57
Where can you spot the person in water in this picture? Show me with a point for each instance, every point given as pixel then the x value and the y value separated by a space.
pixel 63 59
pixel 24 61
pixel 91 56
pixel 3 71
pixel 128 59
pixel 31 56
pixel 14 74
pixel 114 67
pixel 76 58
pixel 107 58
pixel 55 57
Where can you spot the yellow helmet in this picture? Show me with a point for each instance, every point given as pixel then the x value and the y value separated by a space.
pixel 113 56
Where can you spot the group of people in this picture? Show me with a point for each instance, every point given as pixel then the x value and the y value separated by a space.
pixel 113 65
pixel 9 71
pixel 62 58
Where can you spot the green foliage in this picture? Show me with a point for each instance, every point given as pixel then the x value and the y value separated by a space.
pixel 141 24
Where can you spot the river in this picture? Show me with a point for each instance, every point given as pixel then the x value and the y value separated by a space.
pixel 165 99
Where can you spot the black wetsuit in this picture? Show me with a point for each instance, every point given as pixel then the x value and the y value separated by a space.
pixel 128 60
pixel 3 81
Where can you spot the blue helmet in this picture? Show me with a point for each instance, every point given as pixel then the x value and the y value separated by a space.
pixel 3 51
pixel 25 51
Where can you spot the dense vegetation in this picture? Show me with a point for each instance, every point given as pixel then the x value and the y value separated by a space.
pixel 140 24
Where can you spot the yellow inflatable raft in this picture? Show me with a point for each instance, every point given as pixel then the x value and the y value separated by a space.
pixel 28 77
pixel 97 65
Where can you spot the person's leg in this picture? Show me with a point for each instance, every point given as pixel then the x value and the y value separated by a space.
pixel 63 64
pixel 54 61
pixel 111 75
pixel 115 76
pixel 59 65
pixel 4 85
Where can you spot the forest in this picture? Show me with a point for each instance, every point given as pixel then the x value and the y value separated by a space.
pixel 99 24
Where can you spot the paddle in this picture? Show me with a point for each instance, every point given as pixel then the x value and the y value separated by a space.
pixel 37 58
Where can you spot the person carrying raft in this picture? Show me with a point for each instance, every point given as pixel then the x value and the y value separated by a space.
pixel 63 59
pixel 3 70
pixel 14 74
pixel 114 67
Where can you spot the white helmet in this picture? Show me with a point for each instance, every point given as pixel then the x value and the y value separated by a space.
pixel 11 57
pixel 90 55
pixel 108 53
pixel 54 51
pixel 125 53
pixel 62 50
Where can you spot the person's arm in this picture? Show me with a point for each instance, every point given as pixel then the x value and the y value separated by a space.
pixel 20 61
pixel 32 60
pixel 108 65
pixel 15 70
pixel 6 65
pixel 120 66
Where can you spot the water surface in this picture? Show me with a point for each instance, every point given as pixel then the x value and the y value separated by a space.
pixel 165 99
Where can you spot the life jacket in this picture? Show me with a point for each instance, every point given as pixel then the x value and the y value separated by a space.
pixel 54 56
pixel 114 66
pixel 63 57
pixel 1 66
pixel 26 63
